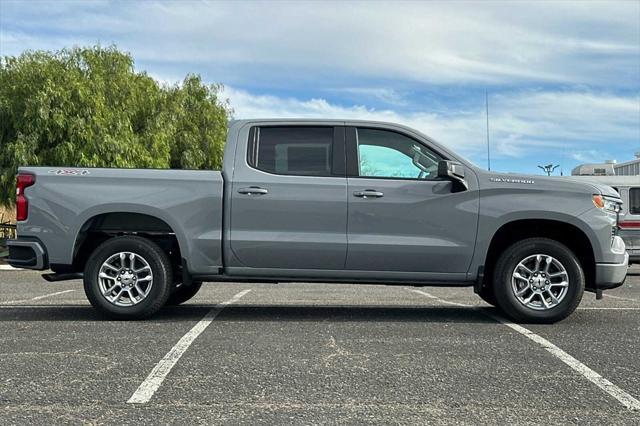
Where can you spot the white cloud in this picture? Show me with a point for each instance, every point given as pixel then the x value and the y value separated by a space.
pixel 584 56
pixel 436 42
pixel 588 156
pixel 521 123
pixel 384 94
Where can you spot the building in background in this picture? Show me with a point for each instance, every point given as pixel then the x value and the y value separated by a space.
pixel 629 168
pixel 609 168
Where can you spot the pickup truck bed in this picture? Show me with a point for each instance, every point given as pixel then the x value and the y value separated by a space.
pixel 65 203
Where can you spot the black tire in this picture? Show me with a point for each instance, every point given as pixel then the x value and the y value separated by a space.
pixel 182 293
pixel 504 293
pixel 486 294
pixel 160 268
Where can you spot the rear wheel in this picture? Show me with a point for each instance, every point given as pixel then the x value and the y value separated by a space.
pixel 182 293
pixel 128 278
pixel 538 280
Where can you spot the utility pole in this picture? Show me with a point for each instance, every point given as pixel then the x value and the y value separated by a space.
pixel 549 168
pixel 486 103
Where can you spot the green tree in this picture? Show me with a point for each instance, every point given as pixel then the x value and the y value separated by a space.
pixel 88 107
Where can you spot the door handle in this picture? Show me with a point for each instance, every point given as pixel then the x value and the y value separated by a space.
pixel 368 193
pixel 253 190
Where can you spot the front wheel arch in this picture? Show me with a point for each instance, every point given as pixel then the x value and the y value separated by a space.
pixel 563 232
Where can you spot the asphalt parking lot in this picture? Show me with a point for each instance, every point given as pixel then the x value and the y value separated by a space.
pixel 296 353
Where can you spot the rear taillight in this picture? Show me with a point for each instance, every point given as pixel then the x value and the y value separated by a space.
pixel 22 204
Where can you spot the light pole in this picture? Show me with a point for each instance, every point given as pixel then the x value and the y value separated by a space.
pixel 549 168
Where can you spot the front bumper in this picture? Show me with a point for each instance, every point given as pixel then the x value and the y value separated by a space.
pixel 27 253
pixel 611 275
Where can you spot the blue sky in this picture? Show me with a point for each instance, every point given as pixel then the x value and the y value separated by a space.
pixel 563 77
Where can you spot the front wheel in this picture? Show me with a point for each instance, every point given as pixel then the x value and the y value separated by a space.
pixel 538 280
pixel 128 278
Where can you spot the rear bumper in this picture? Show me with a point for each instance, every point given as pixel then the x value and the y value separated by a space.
pixel 611 275
pixel 27 253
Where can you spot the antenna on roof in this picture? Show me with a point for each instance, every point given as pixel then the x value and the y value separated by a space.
pixel 486 102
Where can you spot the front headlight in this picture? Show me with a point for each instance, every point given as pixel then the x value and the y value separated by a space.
pixel 606 203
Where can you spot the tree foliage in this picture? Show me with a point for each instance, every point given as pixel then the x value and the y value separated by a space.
pixel 88 107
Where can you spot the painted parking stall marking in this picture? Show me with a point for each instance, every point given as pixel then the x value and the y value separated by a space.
pixel 44 296
pixel 152 383
pixel 9 268
pixel 619 394
pixel 608 309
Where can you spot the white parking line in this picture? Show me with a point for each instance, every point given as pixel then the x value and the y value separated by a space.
pixel 14 302
pixel 608 309
pixel 623 397
pixel 9 268
pixel 150 385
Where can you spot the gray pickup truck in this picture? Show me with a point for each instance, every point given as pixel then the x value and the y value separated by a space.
pixel 326 201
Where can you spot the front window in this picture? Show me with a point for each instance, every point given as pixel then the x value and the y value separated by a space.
pixel 387 154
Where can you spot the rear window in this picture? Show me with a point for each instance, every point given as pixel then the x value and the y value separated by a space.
pixel 305 151
pixel 634 200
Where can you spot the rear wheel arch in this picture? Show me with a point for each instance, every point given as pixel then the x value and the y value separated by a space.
pixel 103 226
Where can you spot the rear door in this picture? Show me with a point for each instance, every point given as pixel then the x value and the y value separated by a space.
pixel 289 199
pixel 401 217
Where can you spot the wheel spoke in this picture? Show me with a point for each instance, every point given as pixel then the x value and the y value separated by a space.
pixel 538 261
pixel 527 270
pixel 133 299
pixel 144 268
pixel 544 301
pixel 103 275
pixel 117 297
pixel 562 284
pixel 520 277
pixel 529 299
pixel 132 260
pixel 548 261
pixel 109 266
pixel 110 289
pixel 558 274
pixel 147 278
pixel 139 290
pixel 523 290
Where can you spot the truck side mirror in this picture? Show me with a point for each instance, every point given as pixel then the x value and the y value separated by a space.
pixel 452 170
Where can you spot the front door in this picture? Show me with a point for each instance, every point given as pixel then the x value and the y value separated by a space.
pixel 401 216
pixel 289 199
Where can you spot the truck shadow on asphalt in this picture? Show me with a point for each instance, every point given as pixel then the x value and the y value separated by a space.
pixel 263 313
